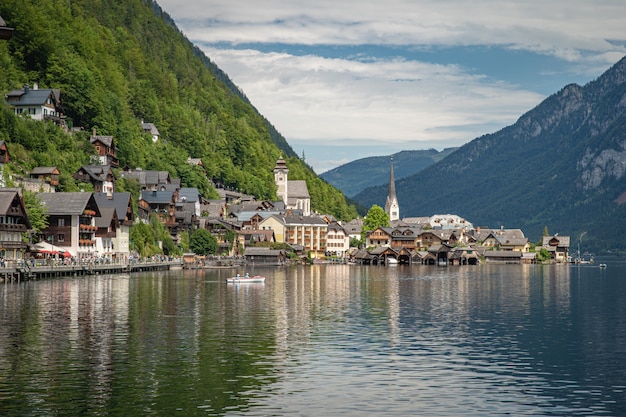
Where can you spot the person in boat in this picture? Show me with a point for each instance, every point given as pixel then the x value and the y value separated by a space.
pixel 238 276
pixel 247 275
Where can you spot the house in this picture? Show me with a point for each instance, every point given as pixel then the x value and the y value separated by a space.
pixel 38 104
pixel 106 232
pixel 105 149
pixel 5 157
pixel 151 129
pixel 558 246
pixel 353 228
pixel 49 175
pixel 13 223
pixel 71 221
pixel 337 240
pixel 307 231
pixel 405 237
pixel 430 238
pixel 100 176
pixel 115 223
pixel 148 180
pixel 277 225
pixel 379 237
pixel 160 203
pixel 6 33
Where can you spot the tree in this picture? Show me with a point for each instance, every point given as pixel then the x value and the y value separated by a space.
pixel 36 212
pixel 376 217
pixel 203 243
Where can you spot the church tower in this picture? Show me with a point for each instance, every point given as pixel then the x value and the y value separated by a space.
pixel 280 178
pixel 392 208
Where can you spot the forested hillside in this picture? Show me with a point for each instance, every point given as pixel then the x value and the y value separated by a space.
pixel 561 165
pixel 120 62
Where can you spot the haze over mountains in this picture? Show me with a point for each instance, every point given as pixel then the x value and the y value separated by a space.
pixel 561 165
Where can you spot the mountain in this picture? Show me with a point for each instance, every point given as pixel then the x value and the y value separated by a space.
pixel 561 165
pixel 349 177
pixel 117 63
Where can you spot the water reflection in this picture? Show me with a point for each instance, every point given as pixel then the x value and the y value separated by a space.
pixel 321 340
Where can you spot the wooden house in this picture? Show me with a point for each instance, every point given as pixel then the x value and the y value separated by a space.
pixel 100 176
pixel 49 175
pixel 13 223
pixel 105 149
pixel 5 157
pixel 71 218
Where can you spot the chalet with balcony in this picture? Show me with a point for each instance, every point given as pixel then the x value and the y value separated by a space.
pixel 379 237
pixel 38 104
pixel 105 149
pixel 71 218
pixel 13 222
pixel 430 238
pixel 100 176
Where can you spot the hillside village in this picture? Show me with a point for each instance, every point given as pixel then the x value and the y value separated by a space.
pixel 87 224
pixel 84 225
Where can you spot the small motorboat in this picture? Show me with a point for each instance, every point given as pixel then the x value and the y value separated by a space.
pixel 602 265
pixel 246 279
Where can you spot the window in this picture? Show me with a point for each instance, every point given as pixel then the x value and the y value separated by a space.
pixel 61 237
pixel 61 222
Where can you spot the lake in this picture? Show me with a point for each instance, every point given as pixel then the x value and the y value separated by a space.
pixel 322 340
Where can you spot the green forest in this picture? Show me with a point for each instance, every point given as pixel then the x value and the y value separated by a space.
pixel 120 62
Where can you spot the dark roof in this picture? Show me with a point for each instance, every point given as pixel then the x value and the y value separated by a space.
pixel 43 170
pixel 67 203
pixel 31 97
pixel 7 199
pixel 107 140
pixel 106 216
pixel 157 197
pixel 120 201
pixel 98 172
pixel 150 127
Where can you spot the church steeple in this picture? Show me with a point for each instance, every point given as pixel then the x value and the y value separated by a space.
pixel 392 208
pixel 281 173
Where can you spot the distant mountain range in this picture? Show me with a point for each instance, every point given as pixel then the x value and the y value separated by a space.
pixel 355 176
pixel 561 165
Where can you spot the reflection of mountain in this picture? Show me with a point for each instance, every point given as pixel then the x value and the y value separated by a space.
pixel 355 176
pixel 561 165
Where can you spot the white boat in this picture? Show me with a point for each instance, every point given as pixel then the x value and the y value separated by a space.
pixel 246 279
pixel 392 261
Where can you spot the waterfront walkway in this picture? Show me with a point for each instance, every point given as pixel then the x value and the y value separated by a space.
pixel 39 271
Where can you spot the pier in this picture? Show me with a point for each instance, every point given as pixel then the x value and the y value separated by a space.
pixel 41 271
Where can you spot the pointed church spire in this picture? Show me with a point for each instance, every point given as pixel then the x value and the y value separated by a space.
pixel 392 208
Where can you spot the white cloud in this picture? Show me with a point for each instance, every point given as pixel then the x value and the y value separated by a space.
pixel 354 102
pixel 394 101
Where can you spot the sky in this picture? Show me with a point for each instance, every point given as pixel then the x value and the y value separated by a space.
pixel 344 80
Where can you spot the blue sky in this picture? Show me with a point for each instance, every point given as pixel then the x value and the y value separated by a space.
pixel 343 80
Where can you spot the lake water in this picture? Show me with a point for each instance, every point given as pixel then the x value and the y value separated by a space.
pixel 324 340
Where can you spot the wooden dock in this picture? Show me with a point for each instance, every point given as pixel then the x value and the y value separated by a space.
pixel 23 273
